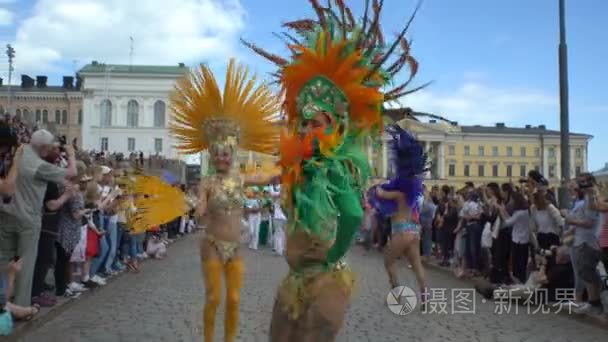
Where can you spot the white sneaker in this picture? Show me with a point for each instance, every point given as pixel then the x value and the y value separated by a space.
pixel 70 294
pixel 144 255
pixel 587 309
pixel 76 287
pixel 98 280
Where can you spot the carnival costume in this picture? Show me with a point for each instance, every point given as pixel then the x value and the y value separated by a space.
pixel 409 163
pixel 243 117
pixel 337 68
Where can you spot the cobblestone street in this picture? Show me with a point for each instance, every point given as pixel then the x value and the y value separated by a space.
pixel 164 303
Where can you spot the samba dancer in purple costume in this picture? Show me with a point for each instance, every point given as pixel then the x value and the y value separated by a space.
pixel 399 199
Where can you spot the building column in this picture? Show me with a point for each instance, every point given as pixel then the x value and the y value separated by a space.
pixel 572 161
pixel 584 155
pixel 384 158
pixel 250 158
pixel 441 159
pixel 426 146
pixel 546 161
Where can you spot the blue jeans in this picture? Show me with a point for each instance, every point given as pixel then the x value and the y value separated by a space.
pixel 473 249
pixel 101 256
pixel 579 285
pixel 427 241
pixel 137 244
pixel 112 239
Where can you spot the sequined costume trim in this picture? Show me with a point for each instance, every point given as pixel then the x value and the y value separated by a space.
pixel 405 227
pixel 297 291
pixel 225 194
pixel 226 249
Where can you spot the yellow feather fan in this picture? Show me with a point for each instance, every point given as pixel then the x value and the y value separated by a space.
pixel 245 115
pixel 157 203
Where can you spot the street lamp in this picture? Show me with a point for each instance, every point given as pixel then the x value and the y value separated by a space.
pixel 563 106
pixel 10 52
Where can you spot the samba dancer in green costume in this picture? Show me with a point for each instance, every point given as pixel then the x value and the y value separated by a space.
pixel 333 104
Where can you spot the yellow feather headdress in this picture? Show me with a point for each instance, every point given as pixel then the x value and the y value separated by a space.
pixel 245 116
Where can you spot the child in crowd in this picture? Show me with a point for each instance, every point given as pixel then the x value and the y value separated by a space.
pixel 156 248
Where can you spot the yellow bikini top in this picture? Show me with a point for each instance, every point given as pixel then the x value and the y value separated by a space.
pixel 224 193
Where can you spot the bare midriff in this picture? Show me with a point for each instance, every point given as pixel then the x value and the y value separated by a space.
pixel 224 208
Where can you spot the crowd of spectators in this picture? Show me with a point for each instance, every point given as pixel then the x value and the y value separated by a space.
pixel 64 222
pixel 514 235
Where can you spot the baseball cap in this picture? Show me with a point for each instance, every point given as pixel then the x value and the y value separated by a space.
pixel 42 137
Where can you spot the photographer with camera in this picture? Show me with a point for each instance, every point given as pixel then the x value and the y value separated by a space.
pixel 21 218
pixel 583 221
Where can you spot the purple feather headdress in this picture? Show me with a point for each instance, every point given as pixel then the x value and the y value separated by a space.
pixel 409 164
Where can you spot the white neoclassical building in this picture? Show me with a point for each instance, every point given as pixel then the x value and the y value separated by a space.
pixel 125 107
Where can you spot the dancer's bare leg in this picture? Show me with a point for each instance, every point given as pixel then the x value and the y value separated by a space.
pixel 281 327
pixel 393 251
pixel 212 268
pixel 412 253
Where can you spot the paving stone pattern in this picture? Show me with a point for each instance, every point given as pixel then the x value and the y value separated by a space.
pixel 164 303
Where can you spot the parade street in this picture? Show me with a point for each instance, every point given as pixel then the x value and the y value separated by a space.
pixel 164 303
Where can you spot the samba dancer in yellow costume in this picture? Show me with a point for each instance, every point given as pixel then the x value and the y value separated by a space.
pixel 333 101
pixel 244 117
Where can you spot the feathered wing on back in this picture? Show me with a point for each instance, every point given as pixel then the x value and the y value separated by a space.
pixel 157 203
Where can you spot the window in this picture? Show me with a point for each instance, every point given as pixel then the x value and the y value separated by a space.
pixel 104 144
pixel 131 144
pixel 132 113
pixel 467 150
pixel 509 170
pixel 158 145
pixel 452 170
pixel 577 171
pixel 495 151
pixel 522 151
pixel 64 117
pixel 159 114
pixel 452 150
pixel 467 170
pixel 45 116
pixel 57 116
pixel 80 116
pixel 537 152
pixel 481 151
pixel 552 152
pixel 27 116
pixel 481 170
pixel 106 113
pixel 38 115
pixel 509 151
pixel 551 171
pixel 522 170
pixel 578 153
pixel 495 170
